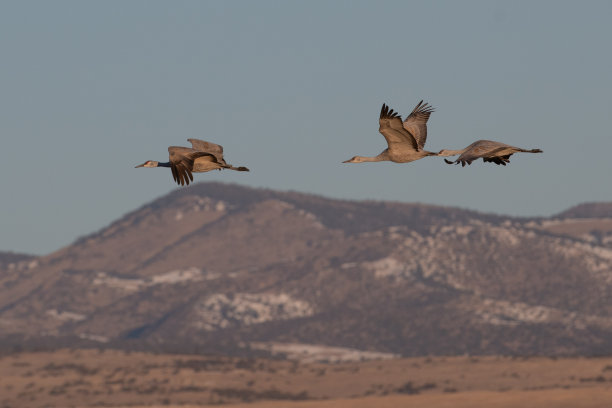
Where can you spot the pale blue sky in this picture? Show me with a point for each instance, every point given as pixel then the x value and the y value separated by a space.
pixel 291 89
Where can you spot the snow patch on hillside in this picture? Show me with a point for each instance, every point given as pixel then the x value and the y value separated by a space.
pixel 597 259
pixel 94 337
pixel 312 218
pixel 65 315
pixel 389 266
pixel 315 353
pixel 501 312
pixel 128 285
pixel 169 278
pixel 177 276
pixel 196 203
pixel 220 311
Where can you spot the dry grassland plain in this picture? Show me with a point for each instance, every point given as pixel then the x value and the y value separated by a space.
pixel 88 378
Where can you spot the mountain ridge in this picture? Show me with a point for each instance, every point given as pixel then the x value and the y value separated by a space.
pixel 218 267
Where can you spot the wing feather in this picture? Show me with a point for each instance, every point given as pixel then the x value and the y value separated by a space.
pixel 390 126
pixel 208 147
pixel 489 151
pixel 416 123
pixel 181 163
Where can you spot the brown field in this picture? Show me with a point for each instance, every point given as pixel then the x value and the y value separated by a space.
pixel 87 378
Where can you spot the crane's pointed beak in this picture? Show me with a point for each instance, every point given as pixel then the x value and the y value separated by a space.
pixel 347 161
pixel 140 165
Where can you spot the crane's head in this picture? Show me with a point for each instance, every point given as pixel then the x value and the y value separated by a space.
pixel 354 159
pixel 148 163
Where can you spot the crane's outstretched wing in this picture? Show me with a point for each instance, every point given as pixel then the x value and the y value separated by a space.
pixel 181 163
pixel 416 123
pixel 392 129
pixel 208 147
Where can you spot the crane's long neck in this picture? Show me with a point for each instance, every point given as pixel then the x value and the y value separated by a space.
pixel 163 164
pixel 378 158
pixel 445 152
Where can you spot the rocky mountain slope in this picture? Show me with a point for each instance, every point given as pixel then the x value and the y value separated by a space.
pixel 8 258
pixel 230 269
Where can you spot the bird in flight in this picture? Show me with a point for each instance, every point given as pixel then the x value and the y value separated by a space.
pixel 405 140
pixel 201 157
pixel 489 151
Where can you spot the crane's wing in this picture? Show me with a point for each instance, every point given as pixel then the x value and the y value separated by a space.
pixel 488 150
pixel 391 128
pixel 208 147
pixel 181 163
pixel 416 123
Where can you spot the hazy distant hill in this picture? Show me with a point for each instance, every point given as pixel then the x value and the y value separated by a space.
pixel 588 210
pixel 217 267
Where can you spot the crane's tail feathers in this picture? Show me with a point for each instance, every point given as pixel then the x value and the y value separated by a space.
pixel 530 150
pixel 449 162
pixel 230 167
